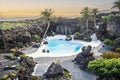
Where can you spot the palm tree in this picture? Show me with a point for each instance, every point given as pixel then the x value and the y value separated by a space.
pixel 117 5
pixel 94 12
pixel 86 14
pixel 47 15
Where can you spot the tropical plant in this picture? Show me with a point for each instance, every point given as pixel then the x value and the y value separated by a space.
pixel 86 14
pixel 116 4
pixel 94 13
pixel 47 15
pixel 105 69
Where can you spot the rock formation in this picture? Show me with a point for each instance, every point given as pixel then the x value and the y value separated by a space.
pixel 113 27
pixel 56 71
pixel 83 58
pixel 21 67
pixel 67 26
pixel 109 29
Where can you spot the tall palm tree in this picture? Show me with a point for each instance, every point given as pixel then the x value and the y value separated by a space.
pixel 94 13
pixel 47 15
pixel 116 4
pixel 86 14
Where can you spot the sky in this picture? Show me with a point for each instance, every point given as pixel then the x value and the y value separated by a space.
pixel 65 8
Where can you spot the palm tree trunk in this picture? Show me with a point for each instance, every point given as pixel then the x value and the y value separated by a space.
pixel 119 10
pixel 87 25
pixel 48 25
pixel 94 21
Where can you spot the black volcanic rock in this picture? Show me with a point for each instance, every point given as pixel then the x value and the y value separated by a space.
pixel 109 29
pixel 28 64
pixel 22 74
pixel 67 26
pixel 113 27
pixel 83 58
pixel 56 71
pixel 101 32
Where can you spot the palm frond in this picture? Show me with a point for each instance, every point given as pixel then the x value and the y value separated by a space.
pixel 116 4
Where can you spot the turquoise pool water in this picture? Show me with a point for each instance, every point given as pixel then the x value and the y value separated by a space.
pixel 59 46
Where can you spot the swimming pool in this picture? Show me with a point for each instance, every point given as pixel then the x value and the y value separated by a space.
pixel 58 47
pixel 63 47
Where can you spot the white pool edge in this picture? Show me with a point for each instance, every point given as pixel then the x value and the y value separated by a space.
pixel 39 53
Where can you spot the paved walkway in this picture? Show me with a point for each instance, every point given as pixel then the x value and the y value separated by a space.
pixel 67 63
pixel 30 50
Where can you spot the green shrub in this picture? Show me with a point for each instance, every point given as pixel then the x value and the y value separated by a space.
pixel 35 77
pixel 22 56
pixel 108 42
pixel 117 50
pixel 77 34
pixel 106 18
pixel 4 77
pixel 13 50
pixel 18 67
pixel 8 79
pixel 110 55
pixel 36 37
pixel 105 68
pixel 87 39
pixel 56 78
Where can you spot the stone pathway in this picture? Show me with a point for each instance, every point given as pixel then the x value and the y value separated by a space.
pixel 30 50
pixel 67 63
